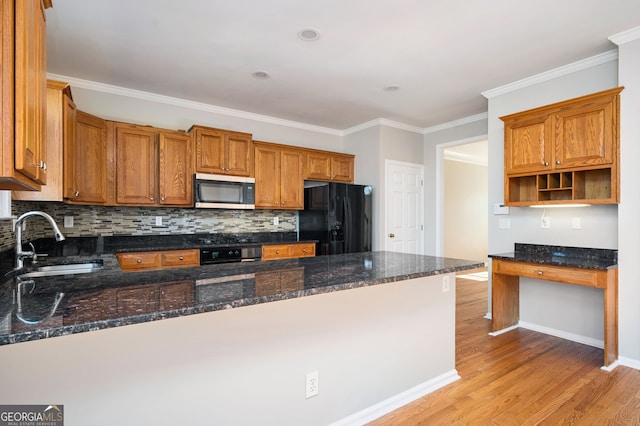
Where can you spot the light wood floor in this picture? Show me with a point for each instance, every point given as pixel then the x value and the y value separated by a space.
pixel 522 378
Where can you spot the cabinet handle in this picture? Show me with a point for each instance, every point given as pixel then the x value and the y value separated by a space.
pixel 161 198
pixel 76 193
pixel 139 261
pixel 181 258
pixel 151 198
pixel 539 272
pixel 557 161
pixel 546 164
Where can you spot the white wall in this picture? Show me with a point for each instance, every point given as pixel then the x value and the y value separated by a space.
pixel 548 304
pixel 434 142
pixel 245 366
pixel 465 210
pixel 629 208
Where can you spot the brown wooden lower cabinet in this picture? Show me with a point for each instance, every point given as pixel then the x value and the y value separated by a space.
pixel 288 251
pixel 148 260
pixel 505 294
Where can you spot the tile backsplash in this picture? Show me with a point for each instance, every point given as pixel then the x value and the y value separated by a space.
pixel 109 221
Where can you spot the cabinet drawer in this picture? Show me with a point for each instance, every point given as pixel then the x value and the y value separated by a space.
pixel 565 274
pixel 180 258
pixel 288 251
pixel 303 250
pixel 146 260
pixel 139 260
pixel 276 251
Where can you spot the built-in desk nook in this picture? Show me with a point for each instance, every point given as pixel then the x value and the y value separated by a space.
pixel 571 265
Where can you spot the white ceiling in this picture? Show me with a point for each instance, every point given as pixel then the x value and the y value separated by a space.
pixel 441 53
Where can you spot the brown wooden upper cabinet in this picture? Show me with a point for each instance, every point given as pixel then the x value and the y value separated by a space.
pixel 328 166
pixel 152 166
pixel 61 116
pixel 566 152
pixel 23 94
pixel 279 181
pixel 223 151
pixel 87 172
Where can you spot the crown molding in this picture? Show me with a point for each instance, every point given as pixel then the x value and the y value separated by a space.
pixel 455 123
pixel 626 36
pixel 381 122
pixel 153 97
pixel 464 158
pixel 603 58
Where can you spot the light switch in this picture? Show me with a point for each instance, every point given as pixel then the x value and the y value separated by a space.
pixel 504 223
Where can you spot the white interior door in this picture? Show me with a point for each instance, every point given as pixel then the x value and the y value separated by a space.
pixel 404 207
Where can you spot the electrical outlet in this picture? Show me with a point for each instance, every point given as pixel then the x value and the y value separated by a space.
pixel 312 384
pixel 545 222
pixel 575 223
pixel 276 220
pixel 68 221
pixel 445 283
pixel 158 220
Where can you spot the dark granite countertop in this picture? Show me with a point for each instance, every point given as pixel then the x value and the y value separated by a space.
pixel 112 298
pixel 578 257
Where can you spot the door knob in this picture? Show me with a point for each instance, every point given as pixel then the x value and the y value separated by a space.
pixel 392 235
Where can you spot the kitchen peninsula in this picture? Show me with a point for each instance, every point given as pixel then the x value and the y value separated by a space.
pixel 378 328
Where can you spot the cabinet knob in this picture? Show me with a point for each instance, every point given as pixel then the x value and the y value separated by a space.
pixel 546 164
pixel 139 261
pixel 392 235
pixel 282 203
pixel 277 251
pixel 181 258
pixel 539 272
pixel 76 193
pixel 557 161
pixel 304 250
pixel 161 198
pixel 151 198
pixel 42 165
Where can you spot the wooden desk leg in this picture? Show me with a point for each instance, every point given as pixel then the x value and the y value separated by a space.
pixel 505 301
pixel 611 318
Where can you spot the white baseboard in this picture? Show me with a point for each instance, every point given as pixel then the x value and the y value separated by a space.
pixel 563 334
pixel 628 362
pixel 393 403
pixel 504 330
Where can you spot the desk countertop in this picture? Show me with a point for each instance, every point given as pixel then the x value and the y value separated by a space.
pixel 578 257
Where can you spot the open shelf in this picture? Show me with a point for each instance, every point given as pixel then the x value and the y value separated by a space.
pixel 582 186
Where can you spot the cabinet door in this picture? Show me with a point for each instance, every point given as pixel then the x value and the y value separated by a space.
pixel 585 134
pixel 175 172
pixel 267 176
pixel 136 300
pixel 528 143
pixel 210 151
pixel 85 161
pixel 60 125
pixel 342 168
pixel 291 180
pixel 317 166
pixel 239 154
pixel 135 165
pixel 30 89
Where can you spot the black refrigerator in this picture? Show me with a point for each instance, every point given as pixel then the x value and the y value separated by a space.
pixel 338 215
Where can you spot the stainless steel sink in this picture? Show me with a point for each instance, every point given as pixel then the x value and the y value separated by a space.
pixel 67 269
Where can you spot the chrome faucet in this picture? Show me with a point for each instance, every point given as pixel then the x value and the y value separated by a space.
pixel 20 255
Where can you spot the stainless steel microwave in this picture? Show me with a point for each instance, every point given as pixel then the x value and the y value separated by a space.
pixel 224 192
